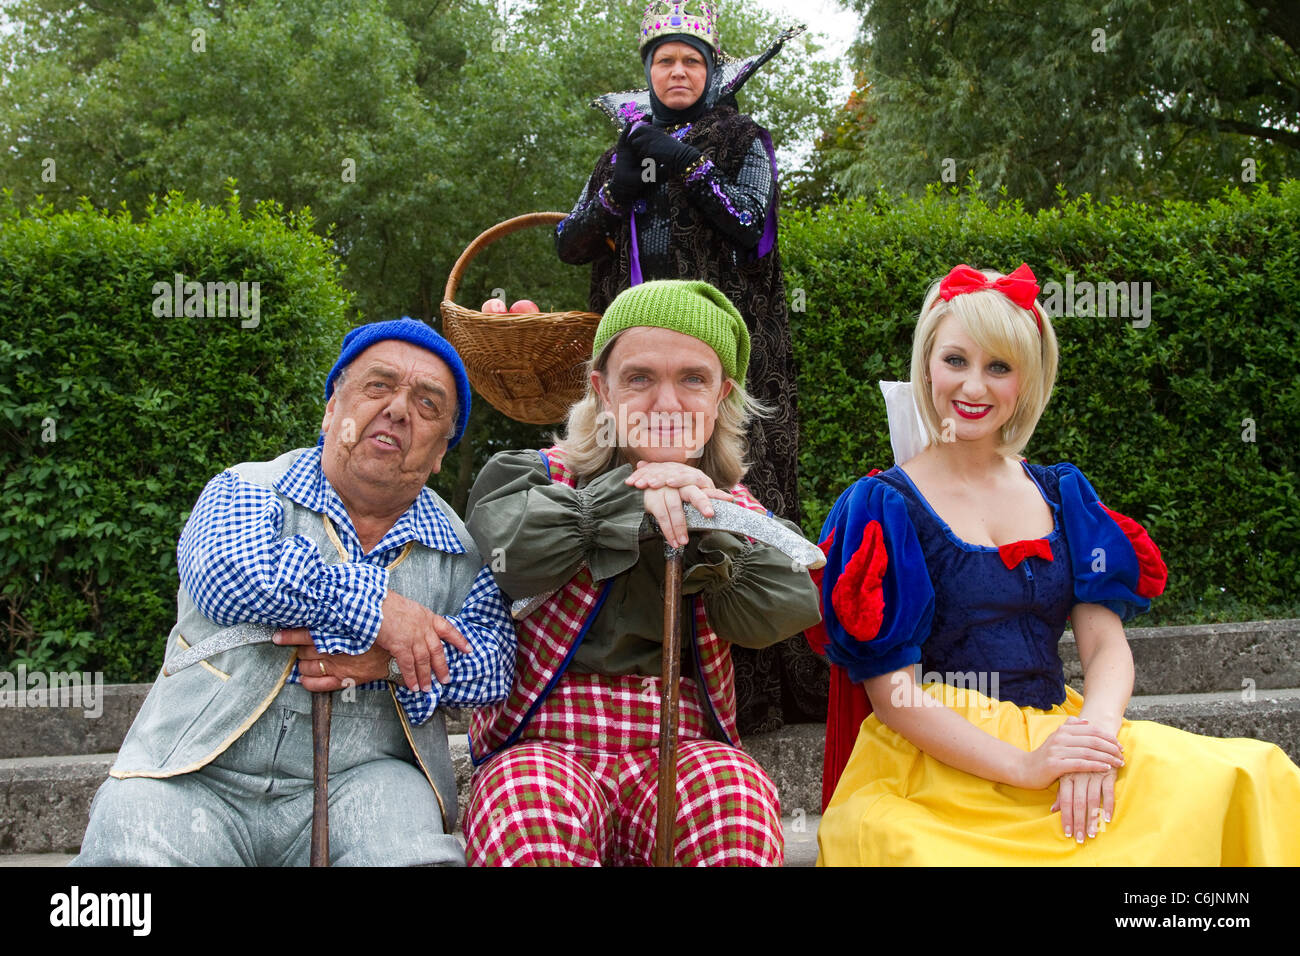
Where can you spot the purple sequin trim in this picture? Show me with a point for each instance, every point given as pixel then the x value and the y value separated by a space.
pixel 606 203
pixel 631 112
pixel 743 218
pixel 702 170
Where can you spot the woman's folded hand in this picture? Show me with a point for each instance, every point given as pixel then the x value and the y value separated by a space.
pixel 1085 800
pixel 1076 747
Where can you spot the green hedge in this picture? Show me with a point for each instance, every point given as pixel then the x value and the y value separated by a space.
pixel 114 416
pixel 1154 416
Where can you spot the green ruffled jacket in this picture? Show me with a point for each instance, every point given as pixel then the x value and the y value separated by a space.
pixel 537 534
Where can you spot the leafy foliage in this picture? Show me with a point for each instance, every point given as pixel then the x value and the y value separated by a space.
pixel 113 417
pixel 410 126
pixel 1135 98
pixel 1185 425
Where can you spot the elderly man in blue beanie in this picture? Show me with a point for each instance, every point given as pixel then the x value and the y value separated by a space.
pixel 361 581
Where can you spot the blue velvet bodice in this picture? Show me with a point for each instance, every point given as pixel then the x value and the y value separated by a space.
pixel 900 588
pixel 1002 625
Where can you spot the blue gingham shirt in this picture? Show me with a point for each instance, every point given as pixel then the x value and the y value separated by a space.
pixel 237 568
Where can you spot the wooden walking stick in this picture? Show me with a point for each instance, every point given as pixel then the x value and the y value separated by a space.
pixel 322 706
pixel 669 694
pixel 804 555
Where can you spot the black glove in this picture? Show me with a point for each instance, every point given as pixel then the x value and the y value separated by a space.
pixel 671 156
pixel 627 183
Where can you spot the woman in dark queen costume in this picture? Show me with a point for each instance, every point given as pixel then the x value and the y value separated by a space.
pixel 690 192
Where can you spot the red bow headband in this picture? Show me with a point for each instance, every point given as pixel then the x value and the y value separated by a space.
pixel 1020 287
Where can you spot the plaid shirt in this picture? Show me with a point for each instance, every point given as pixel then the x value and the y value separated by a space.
pixel 237 567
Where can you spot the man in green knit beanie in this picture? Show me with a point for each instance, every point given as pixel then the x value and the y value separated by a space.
pixel 567 764
pixel 692 308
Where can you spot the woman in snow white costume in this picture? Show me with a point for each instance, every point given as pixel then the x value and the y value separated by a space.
pixel 968 560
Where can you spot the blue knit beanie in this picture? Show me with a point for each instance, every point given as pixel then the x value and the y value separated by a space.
pixel 407 329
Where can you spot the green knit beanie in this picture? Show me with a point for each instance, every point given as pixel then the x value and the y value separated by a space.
pixel 693 308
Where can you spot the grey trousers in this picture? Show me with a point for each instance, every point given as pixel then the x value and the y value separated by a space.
pixel 251 806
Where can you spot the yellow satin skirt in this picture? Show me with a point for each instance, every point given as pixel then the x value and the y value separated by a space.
pixel 1180 800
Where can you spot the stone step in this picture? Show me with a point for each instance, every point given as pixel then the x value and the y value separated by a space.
pixel 37 859
pixel 801 839
pixel 89 718
pixel 1272 715
pixel 45 801
pixel 93 717
pixel 792 759
pixel 1204 658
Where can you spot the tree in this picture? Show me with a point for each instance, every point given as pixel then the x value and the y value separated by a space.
pixel 1142 98
pixel 838 147
pixel 407 127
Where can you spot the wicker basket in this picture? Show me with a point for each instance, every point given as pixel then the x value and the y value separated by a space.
pixel 528 366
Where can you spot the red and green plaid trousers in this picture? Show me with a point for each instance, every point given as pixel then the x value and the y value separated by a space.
pixel 581 787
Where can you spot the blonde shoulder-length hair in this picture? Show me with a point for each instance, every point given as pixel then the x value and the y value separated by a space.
pixel 588 452
pixel 1001 328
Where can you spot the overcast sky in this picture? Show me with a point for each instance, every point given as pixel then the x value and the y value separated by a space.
pixel 834 28
pixel 833 25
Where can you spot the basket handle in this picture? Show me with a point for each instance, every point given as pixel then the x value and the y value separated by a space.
pixel 499 231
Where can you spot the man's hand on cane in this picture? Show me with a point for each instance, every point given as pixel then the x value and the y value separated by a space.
pixel 320 673
pixel 667 486
pixel 410 633
pixel 414 635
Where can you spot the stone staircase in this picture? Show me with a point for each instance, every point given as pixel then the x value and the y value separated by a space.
pixel 1223 680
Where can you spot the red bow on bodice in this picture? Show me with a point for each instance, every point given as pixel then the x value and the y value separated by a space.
pixel 1015 552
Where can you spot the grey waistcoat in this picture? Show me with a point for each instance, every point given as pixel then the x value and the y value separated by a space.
pixel 191 717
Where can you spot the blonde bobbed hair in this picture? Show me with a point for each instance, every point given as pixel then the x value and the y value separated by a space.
pixel 1000 327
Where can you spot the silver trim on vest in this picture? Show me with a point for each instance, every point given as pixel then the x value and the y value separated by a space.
pixel 237 636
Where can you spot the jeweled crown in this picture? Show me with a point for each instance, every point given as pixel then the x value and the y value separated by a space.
pixel 692 17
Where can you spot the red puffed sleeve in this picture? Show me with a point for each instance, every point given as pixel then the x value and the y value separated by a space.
pixel 877 604
pixel 1115 562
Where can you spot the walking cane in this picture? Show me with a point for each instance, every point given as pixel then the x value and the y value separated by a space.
pixel 669 695
pixel 803 555
pixel 322 707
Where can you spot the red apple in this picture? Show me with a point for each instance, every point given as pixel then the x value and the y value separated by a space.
pixel 494 305
pixel 525 305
